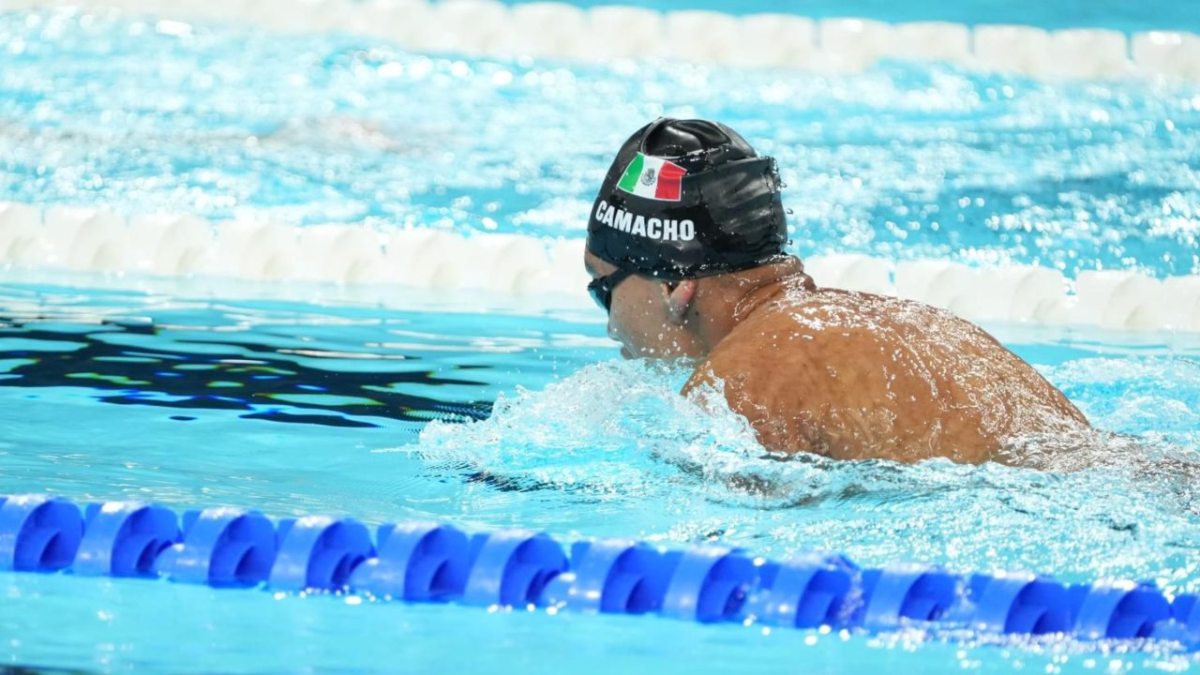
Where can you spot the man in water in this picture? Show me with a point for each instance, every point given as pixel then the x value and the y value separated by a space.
pixel 686 252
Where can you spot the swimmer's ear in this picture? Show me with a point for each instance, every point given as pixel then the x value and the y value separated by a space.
pixel 680 295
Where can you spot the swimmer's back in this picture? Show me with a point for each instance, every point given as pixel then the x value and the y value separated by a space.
pixel 854 376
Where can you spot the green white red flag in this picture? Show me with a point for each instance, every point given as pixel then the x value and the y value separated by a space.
pixel 653 178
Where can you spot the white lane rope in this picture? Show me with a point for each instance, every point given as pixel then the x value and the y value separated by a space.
pixel 561 30
pixel 95 240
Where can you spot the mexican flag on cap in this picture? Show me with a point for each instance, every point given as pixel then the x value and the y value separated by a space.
pixel 653 178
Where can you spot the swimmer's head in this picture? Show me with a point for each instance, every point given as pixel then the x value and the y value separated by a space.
pixel 688 220
pixel 686 199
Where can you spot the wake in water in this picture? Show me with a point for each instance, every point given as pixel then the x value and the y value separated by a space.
pixel 614 449
pixel 615 426
pixel 631 412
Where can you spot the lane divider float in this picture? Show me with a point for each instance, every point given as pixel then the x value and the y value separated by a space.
pixel 94 240
pixel 606 32
pixel 437 562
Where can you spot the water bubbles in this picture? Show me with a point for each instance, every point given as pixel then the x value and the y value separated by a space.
pixel 618 437
pixel 859 149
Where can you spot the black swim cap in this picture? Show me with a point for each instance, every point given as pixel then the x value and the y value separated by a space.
pixel 688 198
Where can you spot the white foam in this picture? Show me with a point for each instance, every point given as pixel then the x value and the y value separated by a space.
pixel 86 239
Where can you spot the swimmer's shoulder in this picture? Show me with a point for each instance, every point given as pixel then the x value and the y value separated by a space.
pixel 808 316
pixel 825 327
pixel 838 312
pixel 788 334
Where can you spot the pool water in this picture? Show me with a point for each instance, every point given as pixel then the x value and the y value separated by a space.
pixel 1122 15
pixel 904 161
pixel 492 412
pixel 578 443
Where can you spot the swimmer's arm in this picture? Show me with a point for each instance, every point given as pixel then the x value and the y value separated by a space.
pixel 734 383
pixel 702 377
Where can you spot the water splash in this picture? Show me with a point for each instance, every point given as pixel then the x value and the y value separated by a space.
pixel 903 161
pixel 613 449
pixel 619 427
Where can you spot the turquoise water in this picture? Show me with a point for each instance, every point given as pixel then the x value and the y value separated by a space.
pixel 138 630
pixel 902 161
pixel 493 412
pixel 1123 15
pixel 579 443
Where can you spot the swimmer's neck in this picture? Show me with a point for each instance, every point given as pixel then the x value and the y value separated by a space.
pixel 728 300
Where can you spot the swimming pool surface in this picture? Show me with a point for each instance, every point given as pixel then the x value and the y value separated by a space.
pixel 493 413
pixel 1123 15
pixel 903 161
pixel 291 408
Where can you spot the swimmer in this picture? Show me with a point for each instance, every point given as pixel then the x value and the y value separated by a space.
pixel 685 249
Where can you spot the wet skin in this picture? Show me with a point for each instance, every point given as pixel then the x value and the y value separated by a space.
pixel 843 374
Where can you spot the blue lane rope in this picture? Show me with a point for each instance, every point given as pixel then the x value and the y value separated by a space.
pixel 437 562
